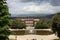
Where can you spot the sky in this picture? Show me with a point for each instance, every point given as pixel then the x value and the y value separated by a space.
pixel 33 6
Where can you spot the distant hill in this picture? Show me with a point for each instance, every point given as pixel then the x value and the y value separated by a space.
pixel 34 15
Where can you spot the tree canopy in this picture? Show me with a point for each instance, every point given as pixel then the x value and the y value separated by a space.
pixel 56 23
pixel 17 24
pixel 41 24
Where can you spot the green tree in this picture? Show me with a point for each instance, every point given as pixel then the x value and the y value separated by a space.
pixel 56 24
pixel 41 25
pixel 18 24
pixel 4 21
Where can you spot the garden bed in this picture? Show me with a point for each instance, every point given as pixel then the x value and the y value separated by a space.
pixel 38 32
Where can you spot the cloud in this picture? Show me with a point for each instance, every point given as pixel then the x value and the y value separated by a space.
pixel 37 2
pixel 46 8
pixel 55 2
pixel 19 7
pixel 57 8
pixel 25 0
pixel 33 0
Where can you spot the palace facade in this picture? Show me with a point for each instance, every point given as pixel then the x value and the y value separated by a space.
pixel 29 21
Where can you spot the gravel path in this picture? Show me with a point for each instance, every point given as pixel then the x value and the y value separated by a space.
pixel 30 37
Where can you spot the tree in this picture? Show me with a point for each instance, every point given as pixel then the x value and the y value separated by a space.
pixel 18 24
pixel 56 24
pixel 4 21
pixel 41 25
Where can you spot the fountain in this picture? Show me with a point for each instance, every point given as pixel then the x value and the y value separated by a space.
pixel 30 30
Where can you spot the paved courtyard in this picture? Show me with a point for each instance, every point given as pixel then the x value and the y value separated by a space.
pixel 30 37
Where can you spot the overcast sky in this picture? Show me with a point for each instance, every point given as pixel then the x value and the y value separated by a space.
pixel 33 6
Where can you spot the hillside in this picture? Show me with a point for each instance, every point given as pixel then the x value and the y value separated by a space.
pixel 34 15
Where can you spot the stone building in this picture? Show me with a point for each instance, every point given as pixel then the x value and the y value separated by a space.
pixel 29 21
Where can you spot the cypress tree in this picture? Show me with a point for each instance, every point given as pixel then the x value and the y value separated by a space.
pixel 4 20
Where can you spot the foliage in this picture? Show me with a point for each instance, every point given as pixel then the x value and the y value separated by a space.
pixel 56 24
pixel 56 39
pixel 41 25
pixel 18 24
pixel 4 21
pixel 11 39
